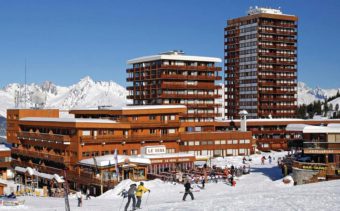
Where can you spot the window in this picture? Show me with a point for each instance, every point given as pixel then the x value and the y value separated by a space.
pixel 134 152
pixel 217 142
pixel 223 142
pixel 135 118
pixel 204 143
pixel 230 141
pixel 241 151
pixel 172 117
pixel 152 117
pixel 247 141
pixel 197 143
pixel 235 142
pixel 191 143
pixel 210 143
pixel 241 141
pixel 86 132
pixel 152 131
pixel 170 150
pixel 172 130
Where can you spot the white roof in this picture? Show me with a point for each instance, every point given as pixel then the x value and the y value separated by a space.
pixel 333 125
pixel 72 120
pixel 169 155
pixel 4 148
pixel 34 172
pixel 107 160
pixel 153 107
pixel 219 119
pixel 312 129
pixel 173 57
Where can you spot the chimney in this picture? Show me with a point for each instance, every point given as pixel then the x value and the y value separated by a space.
pixel 243 115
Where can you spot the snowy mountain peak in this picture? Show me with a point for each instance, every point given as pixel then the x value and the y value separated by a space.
pixel 87 93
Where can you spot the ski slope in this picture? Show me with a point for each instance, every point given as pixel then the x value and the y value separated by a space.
pixel 261 190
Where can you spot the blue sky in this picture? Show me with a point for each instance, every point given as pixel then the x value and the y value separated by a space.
pixel 64 41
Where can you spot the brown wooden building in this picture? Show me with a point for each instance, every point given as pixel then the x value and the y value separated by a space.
pixel 175 78
pixel 261 64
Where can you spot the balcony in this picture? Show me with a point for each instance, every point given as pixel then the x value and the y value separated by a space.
pixel 277 55
pixel 276 84
pixel 276 77
pixel 41 155
pixel 277 99
pixel 190 96
pixel 40 168
pixel 64 139
pixel 277 47
pixel 128 138
pixel 284 40
pixel 277 92
pixel 275 32
pixel 321 148
pixel 263 61
pixel 277 107
pixel 186 86
pixel 174 67
pixel 191 77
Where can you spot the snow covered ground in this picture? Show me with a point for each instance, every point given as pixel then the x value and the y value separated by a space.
pixel 262 189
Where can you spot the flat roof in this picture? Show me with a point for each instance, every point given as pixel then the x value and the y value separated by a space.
pixel 173 57
pixel 312 128
pixel 108 160
pixel 71 120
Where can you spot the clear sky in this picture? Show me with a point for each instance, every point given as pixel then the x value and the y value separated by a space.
pixel 65 40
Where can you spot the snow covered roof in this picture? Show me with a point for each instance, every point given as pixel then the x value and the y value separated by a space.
pixel 71 120
pixel 4 148
pixel 34 172
pixel 169 155
pixel 312 129
pixel 107 160
pixel 153 107
pixel 178 57
pixel 219 119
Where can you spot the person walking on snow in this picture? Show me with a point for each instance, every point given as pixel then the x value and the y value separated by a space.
pixel 88 194
pixel 262 160
pixel 131 195
pixel 270 159
pixel 139 193
pixel 188 189
pixel 79 197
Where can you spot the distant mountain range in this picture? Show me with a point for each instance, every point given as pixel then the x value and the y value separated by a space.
pixel 88 93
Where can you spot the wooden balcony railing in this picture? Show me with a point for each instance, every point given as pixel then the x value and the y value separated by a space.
pixel 41 155
pixel 190 96
pixel 186 86
pixel 65 139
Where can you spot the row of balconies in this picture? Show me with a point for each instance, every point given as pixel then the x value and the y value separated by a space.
pixel 174 67
pixel 277 55
pixel 277 84
pixel 276 92
pixel 275 39
pixel 277 62
pixel 65 139
pixel 175 77
pixel 279 47
pixel 277 99
pixel 211 86
pixel 277 24
pixel 277 107
pixel 277 32
pixel 41 155
pixel 276 77
pixel 130 138
pixel 190 96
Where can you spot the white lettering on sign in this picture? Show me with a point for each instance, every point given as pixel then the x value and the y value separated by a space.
pixel 155 150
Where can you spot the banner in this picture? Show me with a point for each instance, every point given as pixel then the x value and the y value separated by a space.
pixel 116 164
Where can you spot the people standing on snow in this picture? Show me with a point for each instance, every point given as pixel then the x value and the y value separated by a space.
pixel 203 182
pixel 270 159
pixel 244 160
pixel 139 193
pixel 131 195
pixel 88 194
pixel 187 191
pixel 262 160
pixel 80 198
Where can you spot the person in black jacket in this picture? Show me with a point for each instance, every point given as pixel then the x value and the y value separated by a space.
pixel 188 188
pixel 131 196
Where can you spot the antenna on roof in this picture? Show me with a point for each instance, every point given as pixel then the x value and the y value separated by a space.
pixel 25 95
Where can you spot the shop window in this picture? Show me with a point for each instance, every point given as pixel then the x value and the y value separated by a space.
pixel 152 117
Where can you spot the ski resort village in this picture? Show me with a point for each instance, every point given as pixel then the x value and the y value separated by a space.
pixel 189 131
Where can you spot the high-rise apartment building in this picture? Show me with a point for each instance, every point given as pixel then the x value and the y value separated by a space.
pixel 173 78
pixel 261 64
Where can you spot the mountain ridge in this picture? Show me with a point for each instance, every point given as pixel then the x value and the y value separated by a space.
pixel 88 93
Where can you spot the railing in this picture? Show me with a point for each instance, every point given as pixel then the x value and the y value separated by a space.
pixel 131 138
pixel 290 47
pixel 191 77
pixel 40 168
pixel 175 67
pixel 290 40
pixel 41 155
pixel 187 86
pixel 191 96
pixel 44 137
pixel 275 76
pixel 321 145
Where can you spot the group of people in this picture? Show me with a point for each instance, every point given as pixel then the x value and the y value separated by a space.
pixel 133 193
pixel 263 158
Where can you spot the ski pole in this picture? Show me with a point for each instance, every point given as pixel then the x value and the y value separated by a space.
pixel 121 204
pixel 146 201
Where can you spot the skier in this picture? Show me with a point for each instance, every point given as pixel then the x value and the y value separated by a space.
pixel 203 182
pixel 79 197
pixel 88 194
pixel 131 195
pixel 270 159
pixel 140 190
pixel 262 160
pixel 188 188
pixel 244 160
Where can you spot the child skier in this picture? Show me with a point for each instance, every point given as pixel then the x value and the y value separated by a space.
pixel 188 189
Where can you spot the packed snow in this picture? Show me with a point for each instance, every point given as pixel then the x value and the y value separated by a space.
pixel 262 189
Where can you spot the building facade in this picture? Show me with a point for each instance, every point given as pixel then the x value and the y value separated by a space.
pixel 261 64
pixel 173 78
pixel 54 145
